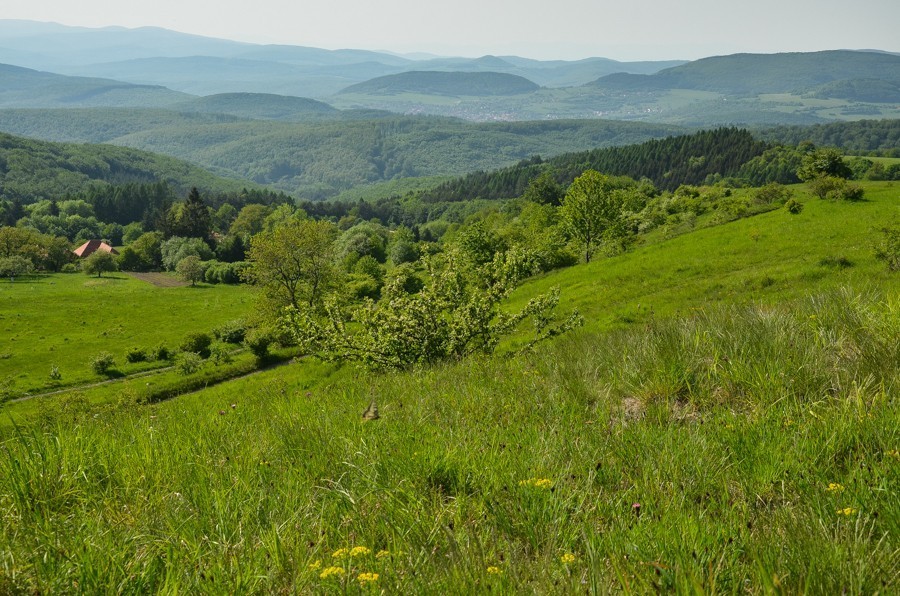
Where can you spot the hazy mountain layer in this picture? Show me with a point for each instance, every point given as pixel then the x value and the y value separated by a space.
pixel 475 84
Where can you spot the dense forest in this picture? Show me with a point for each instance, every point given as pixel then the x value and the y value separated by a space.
pixel 318 160
pixel 703 157
pixel 668 163
pixel 31 170
pixel 864 137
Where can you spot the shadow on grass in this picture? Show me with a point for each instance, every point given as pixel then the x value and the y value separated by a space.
pixel 30 278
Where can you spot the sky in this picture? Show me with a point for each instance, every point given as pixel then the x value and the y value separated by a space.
pixel 542 29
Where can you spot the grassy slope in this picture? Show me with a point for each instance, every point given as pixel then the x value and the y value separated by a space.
pixel 726 427
pixel 770 258
pixel 66 320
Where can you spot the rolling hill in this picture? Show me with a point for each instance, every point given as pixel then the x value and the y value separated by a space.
pixel 473 84
pixel 261 106
pixel 27 88
pixel 320 158
pixel 755 74
pixel 31 170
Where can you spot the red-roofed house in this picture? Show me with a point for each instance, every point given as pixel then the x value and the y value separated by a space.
pixel 92 246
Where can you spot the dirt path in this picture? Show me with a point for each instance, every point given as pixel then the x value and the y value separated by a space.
pixel 148 373
pixel 160 280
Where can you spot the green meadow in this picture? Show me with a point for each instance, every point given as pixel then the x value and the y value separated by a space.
pixel 65 320
pixel 769 258
pixel 726 421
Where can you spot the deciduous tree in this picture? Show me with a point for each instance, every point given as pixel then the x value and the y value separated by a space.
pixel 823 162
pixel 593 210
pixel 294 264
pixel 99 262
pixel 190 269
pixel 455 314
pixel 14 266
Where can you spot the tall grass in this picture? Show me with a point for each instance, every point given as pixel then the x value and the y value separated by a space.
pixel 739 449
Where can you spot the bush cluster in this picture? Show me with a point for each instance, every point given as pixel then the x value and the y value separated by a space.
pixel 232 332
pixel 196 343
pixel 103 363
pixel 217 272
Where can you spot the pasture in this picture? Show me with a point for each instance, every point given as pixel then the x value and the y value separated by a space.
pixel 65 320
pixel 727 421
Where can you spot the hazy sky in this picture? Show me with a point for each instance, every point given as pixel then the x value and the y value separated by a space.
pixel 546 29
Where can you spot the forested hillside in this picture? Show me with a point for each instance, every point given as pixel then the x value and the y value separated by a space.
pixel 31 170
pixel 23 87
pixel 319 158
pixel 668 163
pixel 261 106
pixel 879 137
pixel 754 74
pixel 98 125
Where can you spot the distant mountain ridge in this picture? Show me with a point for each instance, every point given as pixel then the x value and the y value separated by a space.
pixel 741 74
pixel 24 87
pixel 290 70
pixel 260 106
pixel 166 70
pixel 478 84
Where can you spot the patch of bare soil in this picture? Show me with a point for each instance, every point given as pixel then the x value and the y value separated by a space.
pixel 160 280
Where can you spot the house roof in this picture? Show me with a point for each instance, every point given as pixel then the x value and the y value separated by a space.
pixel 92 246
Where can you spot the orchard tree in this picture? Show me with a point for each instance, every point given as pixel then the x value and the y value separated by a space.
pixel 57 253
pixel 14 266
pixel 593 211
pixel 294 264
pixel 456 313
pixel 190 269
pixel 177 248
pixel 99 262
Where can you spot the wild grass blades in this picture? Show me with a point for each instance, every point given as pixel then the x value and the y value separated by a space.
pixel 715 478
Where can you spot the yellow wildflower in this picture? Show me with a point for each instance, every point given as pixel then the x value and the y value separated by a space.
pixel 834 487
pixel 846 511
pixel 331 571
pixel 537 483
pixel 893 453
pixel 367 577
pixel 382 554
pixel 494 570
pixel 314 565
pixel 567 559
pixel 340 553
pixel 360 551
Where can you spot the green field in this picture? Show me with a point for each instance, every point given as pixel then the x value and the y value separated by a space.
pixel 727 421
pixel 65 320
pixel 768 258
